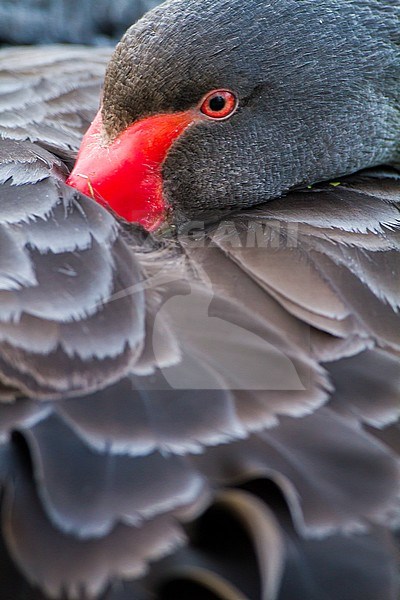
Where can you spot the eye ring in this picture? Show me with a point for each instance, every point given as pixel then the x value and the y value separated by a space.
pixel 219 104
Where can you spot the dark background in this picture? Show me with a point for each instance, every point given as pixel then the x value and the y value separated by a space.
pixel 94 22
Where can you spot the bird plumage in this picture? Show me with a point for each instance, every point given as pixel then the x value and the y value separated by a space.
pixel 249 366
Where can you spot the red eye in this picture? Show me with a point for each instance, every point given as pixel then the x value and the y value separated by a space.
pixel 219 104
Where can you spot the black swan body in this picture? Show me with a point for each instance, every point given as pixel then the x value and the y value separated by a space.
pixel 204 404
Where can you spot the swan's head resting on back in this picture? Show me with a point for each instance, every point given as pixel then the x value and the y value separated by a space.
pixel 229 103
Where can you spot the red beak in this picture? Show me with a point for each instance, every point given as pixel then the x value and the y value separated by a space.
pixel 125 175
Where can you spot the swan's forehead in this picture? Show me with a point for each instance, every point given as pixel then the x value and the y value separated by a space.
pixel 182 49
